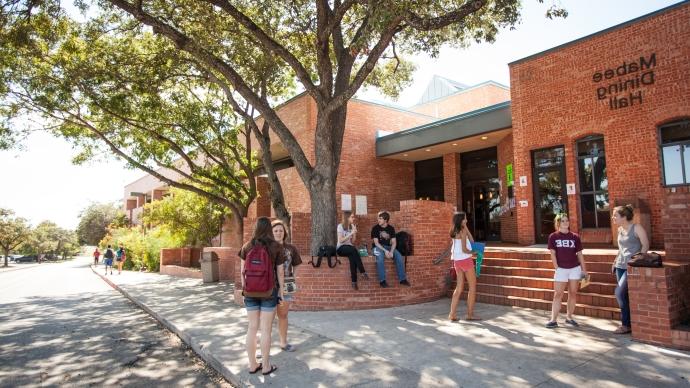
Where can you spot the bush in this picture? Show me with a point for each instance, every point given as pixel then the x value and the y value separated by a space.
pixel 142 247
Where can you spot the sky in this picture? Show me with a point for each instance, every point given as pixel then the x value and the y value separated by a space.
pixel 39 182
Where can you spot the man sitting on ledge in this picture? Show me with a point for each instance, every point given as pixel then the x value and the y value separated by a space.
pixel 383 235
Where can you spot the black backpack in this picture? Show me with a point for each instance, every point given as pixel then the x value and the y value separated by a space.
pixel 329 252
pixel 108 254
pixel 403 243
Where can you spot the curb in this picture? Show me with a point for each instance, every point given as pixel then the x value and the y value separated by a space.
pixel 198 348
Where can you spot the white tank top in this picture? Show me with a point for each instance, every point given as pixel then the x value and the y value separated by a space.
pixel 458 254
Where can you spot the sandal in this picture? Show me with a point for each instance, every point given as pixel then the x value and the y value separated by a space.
pixel 258 368
pixel 453 319
pixel 288 348
pixel 622 330
pixel 473 319
pixel 273 369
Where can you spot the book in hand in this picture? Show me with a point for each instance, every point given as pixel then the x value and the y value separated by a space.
pixel 584 281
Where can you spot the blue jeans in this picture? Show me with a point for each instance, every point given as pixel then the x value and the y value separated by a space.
pixel 381 268
pixel 622 295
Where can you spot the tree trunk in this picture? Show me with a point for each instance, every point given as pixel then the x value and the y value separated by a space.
pixel 7 252
pixel 324 210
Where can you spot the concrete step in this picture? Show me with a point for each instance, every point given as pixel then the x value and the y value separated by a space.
pixel 584 296
pixel 544 273
pixel 542 255
pixel 539 283
pixel 539 304
pixel 532 263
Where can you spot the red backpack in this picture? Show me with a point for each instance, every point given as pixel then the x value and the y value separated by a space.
pixel 259 274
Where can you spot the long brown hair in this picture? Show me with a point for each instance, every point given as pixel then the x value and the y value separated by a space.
pixel 263 232
pixel 346 219
pixel 457 224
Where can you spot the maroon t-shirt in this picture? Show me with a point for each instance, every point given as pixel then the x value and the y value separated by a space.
pixel 566 246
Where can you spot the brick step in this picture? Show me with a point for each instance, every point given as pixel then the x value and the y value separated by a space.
pixel 584 296
pixel 540 283
pixel 543 255
pixel 544 273
pixel 580 309
pixel 527 263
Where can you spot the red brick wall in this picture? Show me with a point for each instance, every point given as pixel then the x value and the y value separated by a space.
pixel 327 288
pixel 184 272
pixel 659 300
pixel 554 103
pixel 183 257
pixel 464 101
pixel 509 216
pixel 675 215
pixel 451 180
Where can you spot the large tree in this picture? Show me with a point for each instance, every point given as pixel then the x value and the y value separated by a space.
pixel 110 83
pixel 331 47
pixel 13 232
pixel 94 222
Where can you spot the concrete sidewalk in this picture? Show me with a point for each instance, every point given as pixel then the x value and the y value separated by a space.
pixel 406 346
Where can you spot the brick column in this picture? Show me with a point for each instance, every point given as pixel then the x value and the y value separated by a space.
pixel 659 303
pixel 676 223
pixel 451 180
pixel 263 200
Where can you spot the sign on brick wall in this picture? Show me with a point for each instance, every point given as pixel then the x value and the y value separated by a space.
pixel 624 85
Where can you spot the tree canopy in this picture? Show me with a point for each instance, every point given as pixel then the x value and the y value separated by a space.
pixel 162 81
pixel 188 215
pixel 13 231
pixel 94 221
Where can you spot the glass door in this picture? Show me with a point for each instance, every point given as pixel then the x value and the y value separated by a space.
pixel 549 190
pixel 482 204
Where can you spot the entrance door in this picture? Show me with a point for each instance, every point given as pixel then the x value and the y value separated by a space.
pixel 480 193
pixel 549 190
pixel 481 203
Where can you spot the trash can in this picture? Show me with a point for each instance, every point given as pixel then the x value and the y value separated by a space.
pixel 209 267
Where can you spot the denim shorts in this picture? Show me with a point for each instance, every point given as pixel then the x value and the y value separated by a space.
pixel 261 304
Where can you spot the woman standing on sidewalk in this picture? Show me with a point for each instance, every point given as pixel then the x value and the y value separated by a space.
pixel 461 257
pixel 347 233
pixel 261 311
pixel 632 238
pixel 292 259
pixel 566 255
pixel 120 259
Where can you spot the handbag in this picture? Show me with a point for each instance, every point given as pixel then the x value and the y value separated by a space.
pixel 289 285
pixel 650 259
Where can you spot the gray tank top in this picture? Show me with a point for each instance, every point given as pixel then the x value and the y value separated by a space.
pixel 628 244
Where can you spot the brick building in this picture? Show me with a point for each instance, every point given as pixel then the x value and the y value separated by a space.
pixel 597 122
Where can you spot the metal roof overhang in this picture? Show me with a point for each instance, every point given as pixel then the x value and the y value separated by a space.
pixel 479 122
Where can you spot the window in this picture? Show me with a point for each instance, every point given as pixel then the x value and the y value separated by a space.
pixel 594 184
pixel 675 152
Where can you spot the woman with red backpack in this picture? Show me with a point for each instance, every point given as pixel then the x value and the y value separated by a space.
pixel 262 287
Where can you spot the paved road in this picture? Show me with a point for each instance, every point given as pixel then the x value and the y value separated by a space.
pixel 62 325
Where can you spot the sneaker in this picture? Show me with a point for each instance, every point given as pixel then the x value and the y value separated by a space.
pixel 552 325
pixel 405 283
pixel 383 284
pixel 354 286
pixel 572 322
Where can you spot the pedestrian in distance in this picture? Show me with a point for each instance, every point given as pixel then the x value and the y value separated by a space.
pixel 461 257
pixel 120 259
pixel 108 256
pixel 383 238
pixel 96 255
pixel 569 263
pixel 262 259
pixel 292 260
pixel 632 238
pixel 347 234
